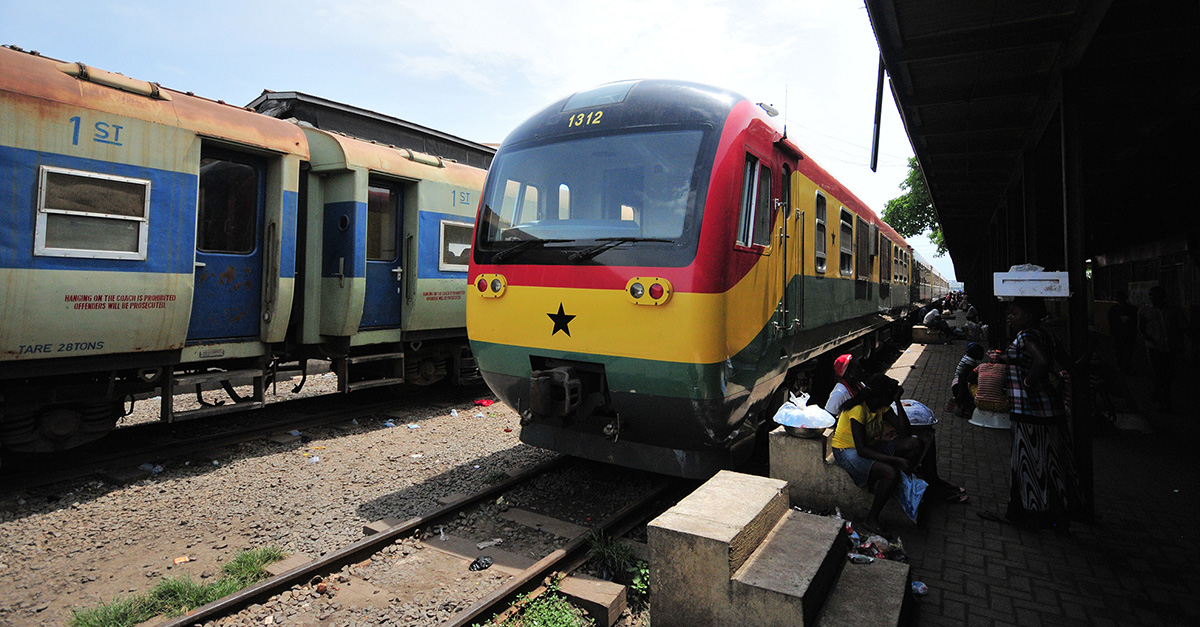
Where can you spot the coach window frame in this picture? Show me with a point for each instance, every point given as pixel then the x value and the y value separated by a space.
pixel 44 213
pixel 754 213
pixel 820 248
pixel 846 243
pixel 260 173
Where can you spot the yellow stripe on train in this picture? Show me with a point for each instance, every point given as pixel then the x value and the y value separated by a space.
pixel 690 328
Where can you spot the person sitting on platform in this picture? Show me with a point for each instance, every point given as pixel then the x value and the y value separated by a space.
pixel 874 443
pixel 933 320
pixel 964 376
pixel 850 380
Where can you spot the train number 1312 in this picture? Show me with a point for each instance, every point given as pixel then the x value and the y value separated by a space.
pixel 584 119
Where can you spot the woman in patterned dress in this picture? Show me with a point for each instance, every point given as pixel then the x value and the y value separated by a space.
pixel 1042 475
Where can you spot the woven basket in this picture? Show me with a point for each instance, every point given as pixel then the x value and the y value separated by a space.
pixel 992 394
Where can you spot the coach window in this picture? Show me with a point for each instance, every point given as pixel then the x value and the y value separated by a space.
pixel 383 205
pixel 846 235
pixel 819 235
pixel 862 247
pixel 228 205
pixel 754 219
pixel 84 214
pixel 785 191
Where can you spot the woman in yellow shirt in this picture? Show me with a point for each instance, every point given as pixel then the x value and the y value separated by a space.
pixel 872 442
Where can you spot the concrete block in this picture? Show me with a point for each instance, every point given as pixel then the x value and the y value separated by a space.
pixel 814 483
pixel 924 335
pixel 868 595
pixel 604 601
pixel 786 580
pixel 697 546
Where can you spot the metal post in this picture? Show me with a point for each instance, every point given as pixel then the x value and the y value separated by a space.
pixel 1074 225
pixel 878 115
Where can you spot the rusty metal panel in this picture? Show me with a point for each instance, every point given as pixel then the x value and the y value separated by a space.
pixel 26 75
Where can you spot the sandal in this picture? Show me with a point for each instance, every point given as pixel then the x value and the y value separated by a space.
pixel 959 497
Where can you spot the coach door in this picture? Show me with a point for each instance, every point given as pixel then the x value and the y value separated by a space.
pixel 229 267
pixel 385 271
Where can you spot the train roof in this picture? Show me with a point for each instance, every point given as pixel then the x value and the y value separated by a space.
pixel 339 151
pixel 28 75
pixel 642 102
pixel 330 115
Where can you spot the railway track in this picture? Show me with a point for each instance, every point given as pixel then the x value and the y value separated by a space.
pixel 127 448
pixel 345 573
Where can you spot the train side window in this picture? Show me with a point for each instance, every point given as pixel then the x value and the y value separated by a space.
pixel 227 212
pixel 85 214
pixel 763 207
pixel 754 217
pixel 820 234
pixel 785 191
pixel 862 270
pixel 885 260
pixel 382 213
pixel 846 235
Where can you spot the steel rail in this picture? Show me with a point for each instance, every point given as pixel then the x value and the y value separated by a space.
pixel 349 554
pixel 566 559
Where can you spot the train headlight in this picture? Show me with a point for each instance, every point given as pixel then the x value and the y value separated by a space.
pixel 491 285
pixel 648 290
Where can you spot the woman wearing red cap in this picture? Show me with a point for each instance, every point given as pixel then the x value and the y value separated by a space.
pixel 849 373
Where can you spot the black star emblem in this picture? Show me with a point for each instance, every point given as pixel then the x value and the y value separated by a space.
pixel 561 320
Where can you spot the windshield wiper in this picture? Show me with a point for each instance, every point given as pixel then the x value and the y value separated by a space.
pixel 525 245
pixel 611 242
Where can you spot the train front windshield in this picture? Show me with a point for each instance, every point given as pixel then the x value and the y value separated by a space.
pixel 623 198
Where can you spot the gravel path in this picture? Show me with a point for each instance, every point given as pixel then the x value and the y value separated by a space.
pixel 78 546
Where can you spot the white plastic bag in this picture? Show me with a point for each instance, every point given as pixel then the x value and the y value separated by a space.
pixel 796 412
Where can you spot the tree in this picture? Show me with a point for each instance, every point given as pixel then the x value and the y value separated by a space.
pixel 912 213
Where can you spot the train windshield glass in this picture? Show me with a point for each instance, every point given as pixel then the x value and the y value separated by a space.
pixel 633 187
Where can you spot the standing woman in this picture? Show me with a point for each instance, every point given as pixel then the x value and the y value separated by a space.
pixel 1042 477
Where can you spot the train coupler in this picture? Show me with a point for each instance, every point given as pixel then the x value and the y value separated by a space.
pixel 555 393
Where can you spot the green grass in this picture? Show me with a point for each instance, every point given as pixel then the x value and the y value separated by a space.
pixel 172 596
pixel 550 610
pixel 615 561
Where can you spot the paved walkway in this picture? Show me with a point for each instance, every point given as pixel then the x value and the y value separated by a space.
pixel 1137 563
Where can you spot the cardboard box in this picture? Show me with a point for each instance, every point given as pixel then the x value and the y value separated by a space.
pixel 1042 284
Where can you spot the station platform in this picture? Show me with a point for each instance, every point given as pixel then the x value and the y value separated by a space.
pixel 1135 563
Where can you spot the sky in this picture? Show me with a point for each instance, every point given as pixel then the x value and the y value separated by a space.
pixel 477 69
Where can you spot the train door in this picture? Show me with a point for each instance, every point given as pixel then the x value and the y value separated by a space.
pixel 229 262
pixel 385 268
pixel 786 239
pixel 796 255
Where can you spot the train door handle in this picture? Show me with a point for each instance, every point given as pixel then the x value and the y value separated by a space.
pixel 399 272
pixel 341 273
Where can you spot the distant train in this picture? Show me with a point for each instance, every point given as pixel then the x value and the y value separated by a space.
pixel 655 263
pixel 155 242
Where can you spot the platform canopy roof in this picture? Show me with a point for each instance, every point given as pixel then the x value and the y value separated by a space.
pixel 979 87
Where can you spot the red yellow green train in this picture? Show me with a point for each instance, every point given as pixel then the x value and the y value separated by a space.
pixel 652 261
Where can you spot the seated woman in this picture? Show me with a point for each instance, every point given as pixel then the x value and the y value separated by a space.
pixel 874 443
pixel 850 381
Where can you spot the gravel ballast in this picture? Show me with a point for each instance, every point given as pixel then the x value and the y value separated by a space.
pixel 81 545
